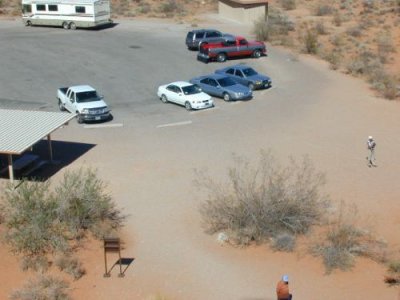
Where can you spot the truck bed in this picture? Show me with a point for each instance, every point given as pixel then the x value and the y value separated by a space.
pixel 63 90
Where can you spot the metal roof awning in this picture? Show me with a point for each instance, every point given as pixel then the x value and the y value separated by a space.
pixel 21 129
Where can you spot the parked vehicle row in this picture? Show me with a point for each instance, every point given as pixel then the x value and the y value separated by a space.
pixel 233 83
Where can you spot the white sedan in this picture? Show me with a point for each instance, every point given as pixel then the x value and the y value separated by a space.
pixel 184 93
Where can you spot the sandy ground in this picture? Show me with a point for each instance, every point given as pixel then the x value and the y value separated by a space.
pixel 173 257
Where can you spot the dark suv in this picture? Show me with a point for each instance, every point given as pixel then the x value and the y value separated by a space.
pixel 195 38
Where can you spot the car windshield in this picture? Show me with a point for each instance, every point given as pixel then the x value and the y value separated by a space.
pixel 226 81
pixel 87 96
pixel 249 72
pixel 191 89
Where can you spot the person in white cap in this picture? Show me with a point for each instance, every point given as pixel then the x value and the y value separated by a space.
pixel 282 289
pixel 371 144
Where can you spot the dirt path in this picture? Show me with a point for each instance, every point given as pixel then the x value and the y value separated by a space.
pixel 151 177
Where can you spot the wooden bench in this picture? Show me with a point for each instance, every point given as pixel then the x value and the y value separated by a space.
pixel 25 161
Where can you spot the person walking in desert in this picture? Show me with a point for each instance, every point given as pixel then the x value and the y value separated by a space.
pixel 371 144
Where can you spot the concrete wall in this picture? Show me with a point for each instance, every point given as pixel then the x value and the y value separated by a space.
pixel 242 13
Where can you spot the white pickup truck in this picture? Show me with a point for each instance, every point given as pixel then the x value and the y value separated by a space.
pixel 84 101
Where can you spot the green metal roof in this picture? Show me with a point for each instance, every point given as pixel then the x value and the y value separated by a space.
pixel 21 129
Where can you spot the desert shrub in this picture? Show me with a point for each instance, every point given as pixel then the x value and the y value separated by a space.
pixel 170 7
pixel 355 31
pixel 263 199
pixel 324 9
pixel 321 28
pixel 283 242
pixel 393 273
pixel 345 240
pixel 384 83
pixel 334 58
pixel 83 204
pixel 70 265
pixel 32 227
pixel 337 19
pixel 309 38
pixel 288 4
pixel 385 45
pixel 43 288
pixel 144 8
pixel 366 62
pixel 40 222
pixel 277 25
pixel 36 263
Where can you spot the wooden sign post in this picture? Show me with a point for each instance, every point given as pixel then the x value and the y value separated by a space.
pixel 112 245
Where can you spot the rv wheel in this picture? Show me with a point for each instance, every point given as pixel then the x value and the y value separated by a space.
pixel 65 25
pixel 72 26
pixel 28 23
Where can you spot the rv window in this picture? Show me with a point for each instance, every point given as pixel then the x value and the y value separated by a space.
pixel 80 9
pixel 27 8
pixel 53 7
pixel 40 7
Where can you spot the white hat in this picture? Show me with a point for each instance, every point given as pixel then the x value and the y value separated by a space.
pixel 285 278
pixel 370 137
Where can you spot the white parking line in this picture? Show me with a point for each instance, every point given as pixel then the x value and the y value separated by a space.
pixel 103 126
pixel 175 124
pixel 199 111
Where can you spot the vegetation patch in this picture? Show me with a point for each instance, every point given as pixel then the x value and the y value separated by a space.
pixel 345 240
pixel 264 200
pixel 42 288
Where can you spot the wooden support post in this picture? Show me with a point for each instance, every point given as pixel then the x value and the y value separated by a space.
pixel 10 168
pixel 50 148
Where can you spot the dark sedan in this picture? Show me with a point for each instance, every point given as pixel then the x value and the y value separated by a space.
pixel 247 76
pixel 222 86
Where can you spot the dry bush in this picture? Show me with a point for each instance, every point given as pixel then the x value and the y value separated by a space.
pixel 261 200
pixel 309 39
pixel 288 4
pixel 321 28
pixel 32 227
pixel 324 9
pixel 355 31
pixel 364 63
pixel 334 57
pixel 345 240
pixel 170 7
pixel 278 25
pixel 385 45
pixel 83 204
pixel 36 263
pixel 337 19
pixel 40 222
pixel 385 84
pixel 285 242
pixel 70 265
pixel 43 288
pixel 393 273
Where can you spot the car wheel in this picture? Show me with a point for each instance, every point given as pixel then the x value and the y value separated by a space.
pixel 221 57
pixel 65 25
pixel 164 99
pixel 61 105
pixel 79 119
pixel 72 26
pixel 251 86
pixel 227 97
pixel 188 106
pixel 257 53
pixel 28 23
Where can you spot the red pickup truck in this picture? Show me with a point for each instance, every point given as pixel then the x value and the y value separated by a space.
pixel 231 47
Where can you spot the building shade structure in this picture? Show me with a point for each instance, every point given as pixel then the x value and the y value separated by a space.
pixel 243 11
pixel 21 129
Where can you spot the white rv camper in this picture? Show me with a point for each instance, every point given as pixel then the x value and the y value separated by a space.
pixel 69 14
